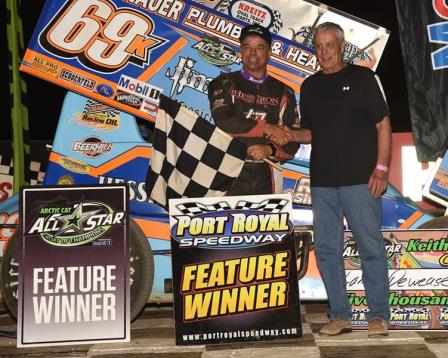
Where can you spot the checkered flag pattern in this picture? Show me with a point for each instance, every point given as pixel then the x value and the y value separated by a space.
pixel 191 157
pixel 224 6
pixel 409 310
pixel 278 23
pixel 268 205
pixel 35 173
pixel 6 165
pixel 193 208
pixel 91 104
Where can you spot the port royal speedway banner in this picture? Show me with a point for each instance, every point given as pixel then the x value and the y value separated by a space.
pixel 74 268
pixel 126 52
pixel 423 29
pixel 418 279
pixel 234 269
pixel 294 20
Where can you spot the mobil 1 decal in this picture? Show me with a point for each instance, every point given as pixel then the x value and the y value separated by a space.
pixel 74 268
pixel 234 269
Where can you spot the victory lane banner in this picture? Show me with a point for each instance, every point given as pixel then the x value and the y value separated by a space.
pixel 418 279
pixel 234 269
pixel 74 268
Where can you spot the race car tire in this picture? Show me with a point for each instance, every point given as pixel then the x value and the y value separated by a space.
pixel 440 222
pixel 9 283
pixel 141 271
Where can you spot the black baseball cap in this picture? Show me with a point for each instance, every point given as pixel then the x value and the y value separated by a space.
pixel 256 30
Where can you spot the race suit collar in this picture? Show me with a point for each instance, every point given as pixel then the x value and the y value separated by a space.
pixel 258 81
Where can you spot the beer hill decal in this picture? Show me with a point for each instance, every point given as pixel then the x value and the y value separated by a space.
pixel 234 269
pixel 295 20
pixel 74 271
pixel 418 279
pixel 125 53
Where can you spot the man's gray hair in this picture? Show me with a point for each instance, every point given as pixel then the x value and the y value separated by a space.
pixel 330 26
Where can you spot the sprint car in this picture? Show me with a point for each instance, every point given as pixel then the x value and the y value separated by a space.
pixel 98 144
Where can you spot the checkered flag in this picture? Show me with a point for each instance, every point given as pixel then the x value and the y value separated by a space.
pixel 190 157
pixel 193 208
pixel 278 23
pixel 268 205
pixel 223 6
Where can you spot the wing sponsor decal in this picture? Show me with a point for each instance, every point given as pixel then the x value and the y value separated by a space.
pixel 92 147
pixel 112 48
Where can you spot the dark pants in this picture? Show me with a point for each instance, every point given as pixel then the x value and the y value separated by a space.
pixel 255 178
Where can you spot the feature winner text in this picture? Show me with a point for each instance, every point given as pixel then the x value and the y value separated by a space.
pixel 74 294
pixel 235 286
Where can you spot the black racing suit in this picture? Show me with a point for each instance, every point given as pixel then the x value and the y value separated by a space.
pixel 242 108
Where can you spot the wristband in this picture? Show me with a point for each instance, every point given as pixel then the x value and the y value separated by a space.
pixel 381 167
pixel 272 148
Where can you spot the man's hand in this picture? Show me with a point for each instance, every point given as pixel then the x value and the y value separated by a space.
pixel 280 135
pixel 378 183
pixel 259 151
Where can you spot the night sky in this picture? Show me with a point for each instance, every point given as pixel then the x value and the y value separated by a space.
pixel 45 99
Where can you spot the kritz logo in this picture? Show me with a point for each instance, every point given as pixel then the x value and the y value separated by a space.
pixel 410 316
pixel 351 253
pixel 100 36
pixel 92 147
pixel 185 76
pixel 74 224
pixel 216 53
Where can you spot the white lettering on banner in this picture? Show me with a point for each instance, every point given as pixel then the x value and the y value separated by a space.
pixel 438 33
pixel 404 279
pixel 169 9
pixel 73 294
pixel 212 24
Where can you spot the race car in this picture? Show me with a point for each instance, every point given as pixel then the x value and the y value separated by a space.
pixel 98 144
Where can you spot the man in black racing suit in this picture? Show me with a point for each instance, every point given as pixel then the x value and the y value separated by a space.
pixel 252 106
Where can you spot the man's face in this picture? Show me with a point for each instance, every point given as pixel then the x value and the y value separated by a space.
pixel 255 54
pixel 329 51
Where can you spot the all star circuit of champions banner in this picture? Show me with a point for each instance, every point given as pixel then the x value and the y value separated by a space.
pixel 234 269
pixel 423 28
pixel 74 268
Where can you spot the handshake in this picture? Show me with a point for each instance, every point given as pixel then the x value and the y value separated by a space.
pixel 280 135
